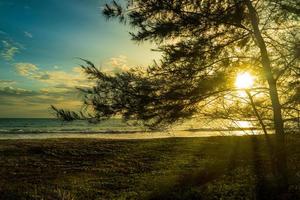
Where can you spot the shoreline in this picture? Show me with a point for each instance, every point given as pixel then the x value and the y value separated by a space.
pixel 136 135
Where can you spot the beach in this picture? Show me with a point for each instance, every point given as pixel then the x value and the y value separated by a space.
pixel 166 168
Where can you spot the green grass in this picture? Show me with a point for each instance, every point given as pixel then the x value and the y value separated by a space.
pixel 175 168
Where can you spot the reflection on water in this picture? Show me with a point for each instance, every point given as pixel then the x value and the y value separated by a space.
pixel 246 127
pixel 244 124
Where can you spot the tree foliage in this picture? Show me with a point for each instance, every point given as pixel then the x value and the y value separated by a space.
pixel 204 44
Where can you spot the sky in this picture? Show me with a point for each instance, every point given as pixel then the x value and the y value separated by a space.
pixel 39 45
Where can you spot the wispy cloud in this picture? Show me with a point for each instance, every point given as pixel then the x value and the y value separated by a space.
pixel 8 50
pixel 28 34
pixel 73 79
pixel 2 32
pixel 26 103
pixel 11 91
pixel 26 69
pixel 116 65
pixel 6 82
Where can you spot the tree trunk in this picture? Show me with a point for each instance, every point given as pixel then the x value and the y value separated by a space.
pixel 256 113
pixel 280 149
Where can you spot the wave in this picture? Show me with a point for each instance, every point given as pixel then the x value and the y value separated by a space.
pixel 113 131
pixel 22 131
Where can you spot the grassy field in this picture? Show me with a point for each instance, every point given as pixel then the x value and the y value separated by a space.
pixel 174 168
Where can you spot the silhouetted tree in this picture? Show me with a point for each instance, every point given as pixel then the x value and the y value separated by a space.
pixel 204 43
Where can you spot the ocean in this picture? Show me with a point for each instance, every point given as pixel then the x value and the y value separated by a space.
pixel 43 125
pixel 24 128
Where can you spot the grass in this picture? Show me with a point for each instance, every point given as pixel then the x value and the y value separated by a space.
pixel 174 168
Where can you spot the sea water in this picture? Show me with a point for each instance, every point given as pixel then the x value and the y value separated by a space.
pixel 24 128
pixel 43 125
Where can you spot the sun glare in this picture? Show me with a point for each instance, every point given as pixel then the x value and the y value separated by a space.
pixel 244 80
pixel 244 124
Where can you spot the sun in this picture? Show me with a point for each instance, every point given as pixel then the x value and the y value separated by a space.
pixel 244 80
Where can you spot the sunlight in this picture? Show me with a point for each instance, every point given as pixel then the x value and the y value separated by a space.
pixel 245 127
pixel 244 124
pixel 244 80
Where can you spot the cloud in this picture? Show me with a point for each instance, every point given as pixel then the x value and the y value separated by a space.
pixel 11 91
pixel 73 79
pixel 62 83
pixel 6 82
pixel 35 105
pixel 26 69
pixel 76 78
pixel 19 102
pixel 28 34
pixel 116 65
pixel 58 80
pixel 51 94
pixel 8 50
pixel 59 88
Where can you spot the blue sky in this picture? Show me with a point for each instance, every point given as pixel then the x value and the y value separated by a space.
pixel 39 43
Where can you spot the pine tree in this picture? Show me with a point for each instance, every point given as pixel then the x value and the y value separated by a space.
pixel 204 44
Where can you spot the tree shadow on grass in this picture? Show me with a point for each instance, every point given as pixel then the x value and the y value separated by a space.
pixel 223 173
pixel 268 187
pixel 184 185
pixel 259 171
